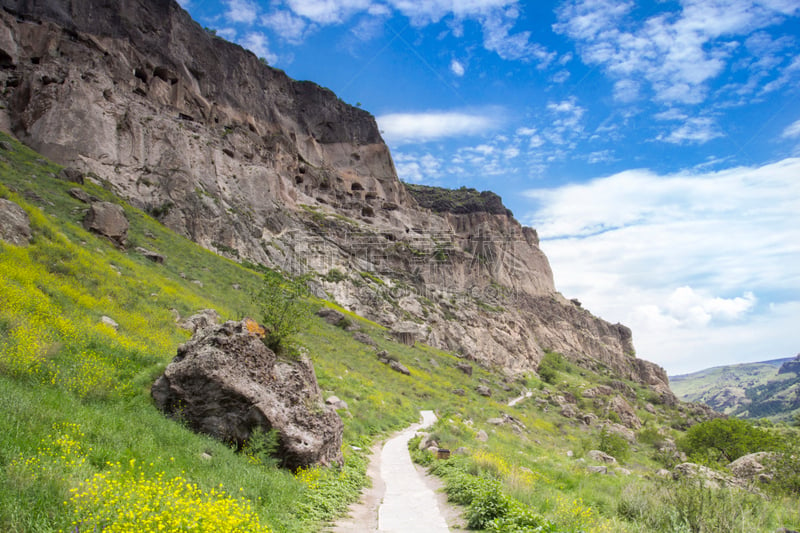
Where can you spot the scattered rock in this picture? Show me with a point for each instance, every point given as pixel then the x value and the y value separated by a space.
pixel 663 472
pixel 601 457
pixel 155 257
pixel 336 403
pixel 711 478
pixel 458 392
pixel 600 390
pixel 199 321
pixel 597 469
pixel 570 453
pixel 198 283
pixel 495 421
pixel 73 175
pixel 622 431
pixel 650 408
pixel 427 441
pixel 384 357
pixel 568 410
pixel 108 220
pixel 588 418
pixel 482 436
pixel 398 367
pixel 483 390
pixel 623 471
pixel 464 367
pixel 205 456
pixel 407 333
pixel 15 226
pixel 364 339
pixel 331 316
pixel 80 194
pixel 110 322
pixel 225 382
pixel 6 146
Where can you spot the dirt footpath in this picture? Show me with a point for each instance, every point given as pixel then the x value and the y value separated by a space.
pixel 403 497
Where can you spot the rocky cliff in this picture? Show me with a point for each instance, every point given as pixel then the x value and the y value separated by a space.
pixel 250 163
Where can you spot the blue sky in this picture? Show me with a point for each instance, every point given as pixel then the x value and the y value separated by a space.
pixel 654 145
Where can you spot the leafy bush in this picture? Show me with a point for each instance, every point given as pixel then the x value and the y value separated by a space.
pixel 551 364
pixel 785 467
pixel 284 308
pixel 725 440
pixel 614 445
pixel 261 447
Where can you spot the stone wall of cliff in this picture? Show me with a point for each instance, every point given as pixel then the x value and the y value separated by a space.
pixel 246 161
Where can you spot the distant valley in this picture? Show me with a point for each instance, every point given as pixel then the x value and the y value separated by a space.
pixel 767 389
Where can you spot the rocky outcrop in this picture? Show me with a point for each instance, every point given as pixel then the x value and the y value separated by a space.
pixel 15 227
pixel 625 412
pixel 229 152
pixel 226 383
pixel 791 367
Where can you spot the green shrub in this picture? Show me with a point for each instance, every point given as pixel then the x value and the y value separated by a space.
pixel 284 306
pixel 614 445
pixel 488 503
pixel 262 446
pixel 551 364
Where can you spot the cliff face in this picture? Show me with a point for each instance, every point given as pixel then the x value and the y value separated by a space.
pixel 246 161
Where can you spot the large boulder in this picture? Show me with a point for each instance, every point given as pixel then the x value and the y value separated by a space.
pixel 108 220
pixel 751 467
pixel 15 227
pixel 226 383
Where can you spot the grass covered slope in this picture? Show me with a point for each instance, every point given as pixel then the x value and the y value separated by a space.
pixel 77 425
pixel 82 447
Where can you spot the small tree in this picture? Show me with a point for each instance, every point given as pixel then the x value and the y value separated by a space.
pixel 725 439
pixel 284 307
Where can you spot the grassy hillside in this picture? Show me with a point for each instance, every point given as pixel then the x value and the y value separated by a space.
pixel 82 448
pixel 748 390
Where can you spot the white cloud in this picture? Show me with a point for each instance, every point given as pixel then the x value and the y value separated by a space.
pixel 328 11
pixel 693 308
pixel 286 25
pixel 257 43
pixel 415 169
pixel 402 128
pixel 697 130
pixel 697 264
pixel 241 11
pixel 676 52
pixel 792 130
pixel 457 68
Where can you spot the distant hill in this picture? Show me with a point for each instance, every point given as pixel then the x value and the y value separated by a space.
pixel 767 389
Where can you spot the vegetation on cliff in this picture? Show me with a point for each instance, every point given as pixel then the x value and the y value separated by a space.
pixel 461 201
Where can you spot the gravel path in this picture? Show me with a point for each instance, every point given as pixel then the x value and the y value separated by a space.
pixel 403 498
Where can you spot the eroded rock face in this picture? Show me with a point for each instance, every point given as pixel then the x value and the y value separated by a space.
pixel 224 150
pixel 15 227
pixel 225 382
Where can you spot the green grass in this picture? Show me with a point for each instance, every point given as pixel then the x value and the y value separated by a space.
pixel 74 394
